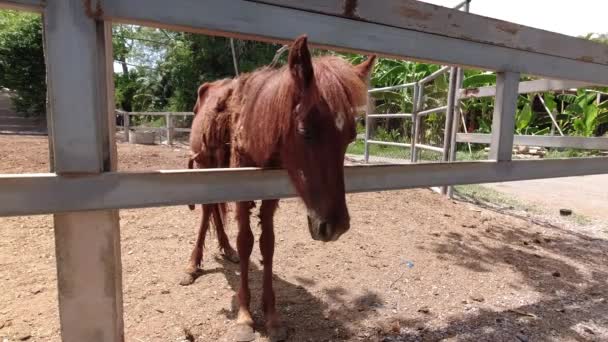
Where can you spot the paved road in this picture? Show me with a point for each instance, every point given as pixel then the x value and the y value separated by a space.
pixel 587 195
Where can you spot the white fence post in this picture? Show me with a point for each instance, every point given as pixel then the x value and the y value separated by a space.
pixel 449 116
pixel 503 119
pixel 453 145
pixel 169 119
pixel 79 67
pixel 418 88
pixel 126 124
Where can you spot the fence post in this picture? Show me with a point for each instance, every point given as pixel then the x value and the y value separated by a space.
pixel 414 122
pixel 126 125
pixel 87 244
pixel 366 138
pixel 371 105
pixel 449 116
pixel 503 119
pixel 169 119
pixel 453 146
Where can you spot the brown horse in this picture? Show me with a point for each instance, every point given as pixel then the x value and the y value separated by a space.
pixel 300 117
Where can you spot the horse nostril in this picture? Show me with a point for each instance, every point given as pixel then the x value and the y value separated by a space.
pixel 323 230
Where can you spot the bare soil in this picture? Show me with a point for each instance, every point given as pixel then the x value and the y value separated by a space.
pixel 414 267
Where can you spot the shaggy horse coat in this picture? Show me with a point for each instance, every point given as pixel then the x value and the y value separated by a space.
pixel 300 117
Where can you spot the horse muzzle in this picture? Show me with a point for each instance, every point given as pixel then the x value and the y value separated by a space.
pixel 321 230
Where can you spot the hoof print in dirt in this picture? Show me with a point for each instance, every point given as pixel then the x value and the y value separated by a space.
pixel 425 310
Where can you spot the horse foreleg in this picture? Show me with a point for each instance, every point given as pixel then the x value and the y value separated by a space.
pixel 197 253
pixel 244 243
pixel 226 249
pixel 274 326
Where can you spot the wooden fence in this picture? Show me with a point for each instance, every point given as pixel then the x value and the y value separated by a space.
pixel 169 128
pixel 84 191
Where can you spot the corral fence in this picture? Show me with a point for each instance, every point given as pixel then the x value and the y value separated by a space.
pixel 454 117
pixel 84 191
pixel 169 129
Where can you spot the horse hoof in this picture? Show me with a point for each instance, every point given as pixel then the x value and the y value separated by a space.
pixel 244 333
pixel 232 256
pixel 277 334
pixel 187 279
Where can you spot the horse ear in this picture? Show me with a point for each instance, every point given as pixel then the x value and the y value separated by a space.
pixel 200 93
pixel 365 68
pixel 300 63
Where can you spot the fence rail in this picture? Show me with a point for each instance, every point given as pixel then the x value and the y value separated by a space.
pixel 38 193
pixel 526 87
pixel 583 143
pixel 169 128
pixel 78 53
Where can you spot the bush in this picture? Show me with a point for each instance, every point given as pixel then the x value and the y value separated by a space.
pixel 22 68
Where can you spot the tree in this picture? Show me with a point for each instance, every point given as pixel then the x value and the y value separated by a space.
pixel 22 67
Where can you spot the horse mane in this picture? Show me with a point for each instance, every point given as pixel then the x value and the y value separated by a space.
pixel 263 100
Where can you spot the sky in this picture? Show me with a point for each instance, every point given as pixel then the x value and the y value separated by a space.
pixel 570 17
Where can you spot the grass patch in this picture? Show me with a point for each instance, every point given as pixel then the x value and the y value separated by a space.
pixel 484 195
pixel 358 148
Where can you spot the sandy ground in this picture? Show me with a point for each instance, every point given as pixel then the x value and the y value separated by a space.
pixel 414 267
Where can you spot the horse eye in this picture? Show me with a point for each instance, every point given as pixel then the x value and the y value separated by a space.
pixel 305 133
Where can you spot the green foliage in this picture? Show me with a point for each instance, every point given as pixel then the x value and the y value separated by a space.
pixel 584 114
pixel 392 135
pixel 22 68
pixel 161 71
pixel 478 80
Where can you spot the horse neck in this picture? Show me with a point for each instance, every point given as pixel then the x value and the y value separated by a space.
pixel 264 116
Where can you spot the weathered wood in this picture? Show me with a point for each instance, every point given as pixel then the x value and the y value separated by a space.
pixel 71 56
pixel 449 115
pixel 87 243
pixel 127 125
pixel 526 87
pixel 46 193
pixel 503 119
pixel 244 19
pixel 106 92
pixel 87 248
pixel 421 16
pixel 583 143
pixel 24 5
pixel 169 128
pixel 415 121
pixel 452 147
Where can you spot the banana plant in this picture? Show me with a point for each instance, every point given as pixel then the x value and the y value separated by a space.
pixel 584 114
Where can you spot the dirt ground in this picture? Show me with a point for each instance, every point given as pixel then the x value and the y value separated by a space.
pixel 414 267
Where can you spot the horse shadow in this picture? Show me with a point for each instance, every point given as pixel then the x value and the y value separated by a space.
pixel 306 316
